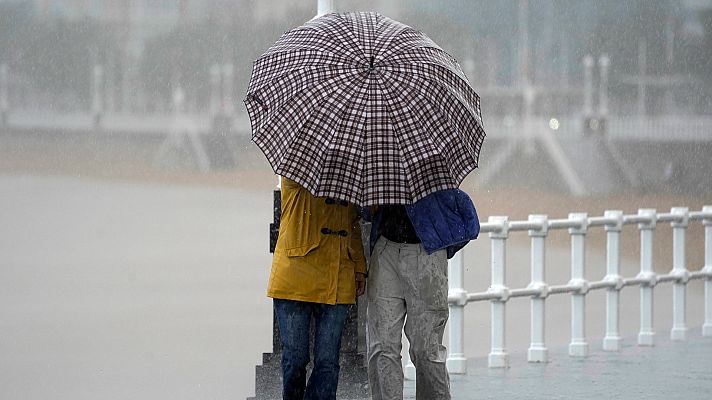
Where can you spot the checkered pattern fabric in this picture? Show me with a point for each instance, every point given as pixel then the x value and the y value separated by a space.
pixel 362 108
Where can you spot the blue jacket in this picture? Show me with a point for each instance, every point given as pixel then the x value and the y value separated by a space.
pixel 446 219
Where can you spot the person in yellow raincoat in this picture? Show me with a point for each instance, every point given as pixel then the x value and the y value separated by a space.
pixel 318 269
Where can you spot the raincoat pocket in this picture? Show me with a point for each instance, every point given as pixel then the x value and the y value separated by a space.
pixel 301 251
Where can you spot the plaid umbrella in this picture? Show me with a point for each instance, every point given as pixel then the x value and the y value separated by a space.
pixel 363 108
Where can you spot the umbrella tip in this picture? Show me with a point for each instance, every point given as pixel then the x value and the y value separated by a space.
pixel 372 60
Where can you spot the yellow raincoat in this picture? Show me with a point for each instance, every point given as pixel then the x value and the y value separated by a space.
pixel 318 251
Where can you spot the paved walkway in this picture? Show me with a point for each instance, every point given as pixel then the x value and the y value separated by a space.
pixel 119 290
pixel 670 370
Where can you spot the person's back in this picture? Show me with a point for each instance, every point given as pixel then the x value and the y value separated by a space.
pixel 408 277
pixel 318 269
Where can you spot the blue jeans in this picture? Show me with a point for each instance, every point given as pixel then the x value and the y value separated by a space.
pixel 294 318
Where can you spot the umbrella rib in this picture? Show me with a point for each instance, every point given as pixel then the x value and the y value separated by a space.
pixel 351 32
pixel 344 111
pixel 317 30
pixel 425 46
pixel 282 73
pixel 453 70
pixel 330 56
pixel 413 91
pixel 388 115
pixel 463 102
pixel 297 93
pixel 276 101
pixel 306 118
pixel 466 104
pixel 343 28
pixel 402 28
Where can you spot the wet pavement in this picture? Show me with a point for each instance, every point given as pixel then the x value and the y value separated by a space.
pixel 669 370
pixel 121 290
pixel 116 290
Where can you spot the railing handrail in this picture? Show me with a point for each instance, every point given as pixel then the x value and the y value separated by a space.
pixel 566 223
pixel 578 225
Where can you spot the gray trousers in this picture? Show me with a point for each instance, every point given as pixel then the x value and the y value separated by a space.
pixel 404 280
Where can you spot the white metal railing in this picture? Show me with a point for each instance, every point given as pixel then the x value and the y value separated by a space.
pixel 578 225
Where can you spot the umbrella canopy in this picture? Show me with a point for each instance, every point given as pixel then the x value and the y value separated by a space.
pixel 363 108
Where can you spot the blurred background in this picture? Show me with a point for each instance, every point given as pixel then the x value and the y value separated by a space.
pixel 134 209
pixel 127 73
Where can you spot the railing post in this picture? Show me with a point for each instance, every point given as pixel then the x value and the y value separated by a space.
pixel 578 346
pixel 456 360
pixel 498 357
pixel 679 288
pixel 707 327
pixel 646 336
pixel 4 89
pixel 537 349
pixel 612 340
pixel 97 99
